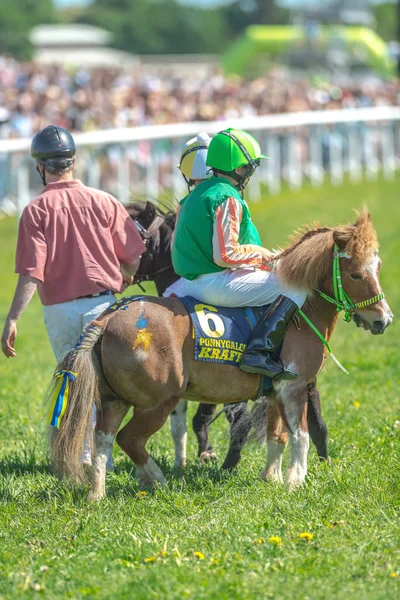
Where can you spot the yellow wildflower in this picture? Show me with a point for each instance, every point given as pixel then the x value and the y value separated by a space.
pixel 142 493
pixel 356 404
pixel 163 553
pixel 275 539
pixel 214 561
pixel 150 559
pixel 393 574
pixel 306 536
pixel 199 555
pixel 258 541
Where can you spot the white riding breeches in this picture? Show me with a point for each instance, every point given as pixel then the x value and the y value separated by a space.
pixel 236 288
pixel 65 321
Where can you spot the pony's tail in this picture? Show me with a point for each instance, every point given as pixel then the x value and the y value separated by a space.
pixel 67 442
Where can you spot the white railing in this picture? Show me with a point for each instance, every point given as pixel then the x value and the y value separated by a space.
pixel 141 162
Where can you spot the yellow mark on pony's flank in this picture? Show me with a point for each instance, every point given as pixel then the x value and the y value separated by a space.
pixel 143 338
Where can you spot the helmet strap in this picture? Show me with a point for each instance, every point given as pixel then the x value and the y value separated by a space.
pixel 241 180
pixel 189 182
pixel 42 175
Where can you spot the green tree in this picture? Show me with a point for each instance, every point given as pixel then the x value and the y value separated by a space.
pixel 386 20
pixel 242 13
pixel 17 17
pixel 157 27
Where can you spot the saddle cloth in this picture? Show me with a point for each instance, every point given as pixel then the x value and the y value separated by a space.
pixel 220 333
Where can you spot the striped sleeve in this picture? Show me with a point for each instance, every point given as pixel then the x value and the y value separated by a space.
pixel 227 252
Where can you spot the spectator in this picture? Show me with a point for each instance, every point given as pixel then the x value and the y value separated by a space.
pixel 100 98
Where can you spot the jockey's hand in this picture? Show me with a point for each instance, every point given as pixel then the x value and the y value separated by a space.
pixel 8 338
pixel 267 257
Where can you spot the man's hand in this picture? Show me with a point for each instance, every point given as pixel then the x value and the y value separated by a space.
pixel 128 282
pixel 8 338
pixel 24 291
pixel 128 272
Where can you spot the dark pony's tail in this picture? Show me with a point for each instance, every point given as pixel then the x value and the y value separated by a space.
pixel 76 426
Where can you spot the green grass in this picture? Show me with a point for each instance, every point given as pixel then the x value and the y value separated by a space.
pixel 55 545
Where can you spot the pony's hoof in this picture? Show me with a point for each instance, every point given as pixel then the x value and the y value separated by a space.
pixel 181 464
pixel 207 456
pixel 271 477
pixel 149 475
pixel 295 479
pixel 86 460
pixel 95 497
pixel 147 483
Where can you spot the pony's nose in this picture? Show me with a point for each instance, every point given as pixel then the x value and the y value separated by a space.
pixel 378 327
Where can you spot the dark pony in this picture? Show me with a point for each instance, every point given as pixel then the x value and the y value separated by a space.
pixel 156 225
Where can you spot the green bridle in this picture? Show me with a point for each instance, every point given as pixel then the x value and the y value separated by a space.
pixel 341 300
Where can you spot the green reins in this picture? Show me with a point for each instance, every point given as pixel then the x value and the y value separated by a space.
pixel 341 300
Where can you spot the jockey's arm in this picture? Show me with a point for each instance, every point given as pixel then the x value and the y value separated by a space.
pixel 227 252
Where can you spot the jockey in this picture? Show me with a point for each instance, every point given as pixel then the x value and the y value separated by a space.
pixel 192 164
pixel 218 253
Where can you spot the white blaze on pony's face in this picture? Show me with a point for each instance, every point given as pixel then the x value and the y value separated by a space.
pixel 360 265
pixel 362 283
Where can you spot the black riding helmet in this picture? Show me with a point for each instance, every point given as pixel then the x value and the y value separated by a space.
pixel 54 147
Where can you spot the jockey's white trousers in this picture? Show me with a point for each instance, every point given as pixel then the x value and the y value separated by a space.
pixel 237 288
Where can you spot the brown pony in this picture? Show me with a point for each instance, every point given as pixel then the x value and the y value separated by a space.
pixel 141 355
pixel 156 225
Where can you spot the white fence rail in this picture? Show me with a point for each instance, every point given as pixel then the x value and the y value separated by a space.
pixel 141 162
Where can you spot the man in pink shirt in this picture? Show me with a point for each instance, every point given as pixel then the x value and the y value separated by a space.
pixel 76 245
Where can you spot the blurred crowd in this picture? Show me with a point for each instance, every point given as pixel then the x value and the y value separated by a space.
pixel 33 95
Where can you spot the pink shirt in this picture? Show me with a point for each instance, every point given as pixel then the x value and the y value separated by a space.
pixel 73 239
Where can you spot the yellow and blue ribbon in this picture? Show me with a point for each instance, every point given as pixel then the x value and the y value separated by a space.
pixel 59 400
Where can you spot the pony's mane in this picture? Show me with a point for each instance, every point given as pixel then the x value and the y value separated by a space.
pixel 307 261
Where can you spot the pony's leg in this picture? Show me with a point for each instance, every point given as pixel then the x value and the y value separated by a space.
pixel 108 421
pixel 293 396
pixel 179 433
pixel 201 426
pixel 240 422
pixel 316 424
pixel 277 439
pixel 133 438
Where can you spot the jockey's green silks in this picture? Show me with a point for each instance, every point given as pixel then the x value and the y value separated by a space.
pixel 192 250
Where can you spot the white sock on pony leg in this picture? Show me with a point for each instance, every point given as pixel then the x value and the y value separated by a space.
pixel 179 433
pixel 103 447
pixel 273 468
pixel 86 458
pixel 299 443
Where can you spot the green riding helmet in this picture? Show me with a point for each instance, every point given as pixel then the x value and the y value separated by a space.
pixel 233 148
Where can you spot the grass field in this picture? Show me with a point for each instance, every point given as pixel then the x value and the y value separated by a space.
pixel 209 535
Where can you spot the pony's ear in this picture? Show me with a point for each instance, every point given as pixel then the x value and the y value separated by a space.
pixel 364 218
pixel 150 210
pixel 343 236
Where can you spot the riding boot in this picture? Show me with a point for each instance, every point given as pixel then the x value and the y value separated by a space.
pixel 259 356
